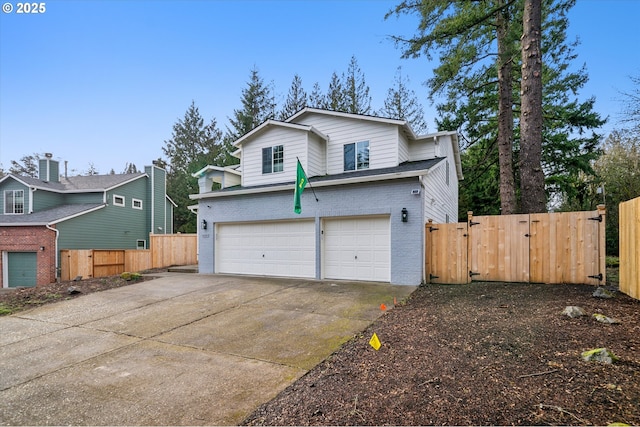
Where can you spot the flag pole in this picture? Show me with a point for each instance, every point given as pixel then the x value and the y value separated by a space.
pixel 309 182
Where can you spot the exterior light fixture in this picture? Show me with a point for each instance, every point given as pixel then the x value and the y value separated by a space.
pixel 405 215
pixel 203 224
pixel 42 248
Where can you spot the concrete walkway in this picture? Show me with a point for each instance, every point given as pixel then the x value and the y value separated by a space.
pixel 184 349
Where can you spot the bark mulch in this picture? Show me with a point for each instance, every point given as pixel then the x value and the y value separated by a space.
pixel 478 354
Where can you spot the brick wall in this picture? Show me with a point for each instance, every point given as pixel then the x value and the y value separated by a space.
pixel 31 239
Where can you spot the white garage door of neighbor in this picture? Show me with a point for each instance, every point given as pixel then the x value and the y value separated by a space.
pixel 267 248
pixel 357 248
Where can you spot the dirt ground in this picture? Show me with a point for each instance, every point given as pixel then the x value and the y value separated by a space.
pixel 479 354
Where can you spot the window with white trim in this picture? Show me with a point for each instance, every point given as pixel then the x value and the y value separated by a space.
pixel 273 159
pixel 14 202
pixel 136 204
pixel 118 200
pixel 141 244
pixel 356 156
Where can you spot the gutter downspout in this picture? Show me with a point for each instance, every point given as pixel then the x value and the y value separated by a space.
pixel 31 191
pixel 56 250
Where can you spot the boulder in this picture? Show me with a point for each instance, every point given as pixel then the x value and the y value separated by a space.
pixel 604 319
pixel 573 311
pixel 599 355
pixel 603 293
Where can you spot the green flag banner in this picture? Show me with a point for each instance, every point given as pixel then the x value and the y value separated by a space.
pixel 301 182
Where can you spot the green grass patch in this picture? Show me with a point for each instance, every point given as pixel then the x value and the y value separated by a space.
pixel 5 311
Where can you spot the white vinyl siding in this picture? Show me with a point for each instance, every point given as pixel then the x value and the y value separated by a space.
pixel 294 144
pixel 382 137
pixel 440 189
pixel 420 150
pixel 357 248
pixel 285 248
pixel 403 148
pixel 317 159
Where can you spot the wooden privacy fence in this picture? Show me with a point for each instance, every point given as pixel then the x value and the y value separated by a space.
pixel 166 250
pixel 630 247
pixel 567 247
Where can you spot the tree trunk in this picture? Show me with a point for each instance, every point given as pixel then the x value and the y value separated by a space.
pixel 533 197
pixel 505 116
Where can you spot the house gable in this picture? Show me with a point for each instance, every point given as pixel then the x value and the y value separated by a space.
pixel 11 184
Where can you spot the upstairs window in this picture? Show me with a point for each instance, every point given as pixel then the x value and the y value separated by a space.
pixel 136 204
pixel 356 156
pixel 14 202
pixel 118 200
pixel 273 159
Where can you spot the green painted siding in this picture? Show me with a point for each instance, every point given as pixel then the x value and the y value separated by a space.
pixel 79 198
pixel 22 268
pixel 159 223
pixel 112 227
pixel 43 200
pixel 11 184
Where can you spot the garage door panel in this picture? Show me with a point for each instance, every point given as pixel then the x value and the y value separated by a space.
pixel 22 267
pixel 357 248
pixel 267 248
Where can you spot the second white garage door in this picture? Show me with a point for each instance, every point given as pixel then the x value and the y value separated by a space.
pixel 357 248
pixel 267 248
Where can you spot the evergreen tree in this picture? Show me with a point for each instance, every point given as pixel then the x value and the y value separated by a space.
pixel 402 104
pixel 258 105
pixel 335 97
pixel 356 91
pixel 26 166
pixel 296 99
pixel 476 88
pixel 129 168
pixel 317 98
pixel 192 146
pixel 531 174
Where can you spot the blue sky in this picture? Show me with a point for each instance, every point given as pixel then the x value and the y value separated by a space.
pixel 103 82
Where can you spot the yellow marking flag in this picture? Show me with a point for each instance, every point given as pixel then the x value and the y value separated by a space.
pixel 375 342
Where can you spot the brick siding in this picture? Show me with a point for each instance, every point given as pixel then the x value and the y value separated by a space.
pixel 31 239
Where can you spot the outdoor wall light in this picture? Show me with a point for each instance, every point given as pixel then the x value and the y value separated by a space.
pixel 405 215
pixel 42 248
pixel 203 224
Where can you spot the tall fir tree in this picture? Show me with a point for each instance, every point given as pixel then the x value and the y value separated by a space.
pixel 334 99
pixel 192 146
pixel 402 103
pixel 26 166
pixel 316 98
pixel 356 91
pixel 258 105
pixel 474 84
pixel 296 99
pixel 531 174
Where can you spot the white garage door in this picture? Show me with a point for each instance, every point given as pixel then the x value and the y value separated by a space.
pixel 267 248
pixel 357 248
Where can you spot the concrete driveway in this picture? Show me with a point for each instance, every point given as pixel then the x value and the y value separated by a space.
pixel 184 349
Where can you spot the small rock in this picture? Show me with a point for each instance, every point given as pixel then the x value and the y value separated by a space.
pixel 599 355
pixel 603 293
pixel 72 290
pixel 573 311
pixel 604 319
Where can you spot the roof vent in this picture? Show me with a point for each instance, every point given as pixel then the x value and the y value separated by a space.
pixel 48 155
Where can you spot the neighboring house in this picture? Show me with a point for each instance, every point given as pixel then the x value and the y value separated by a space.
pixel 39 217
pixel 376 184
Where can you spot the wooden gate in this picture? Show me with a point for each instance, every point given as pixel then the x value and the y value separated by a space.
pixel 566 247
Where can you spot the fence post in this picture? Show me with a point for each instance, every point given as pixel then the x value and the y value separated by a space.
pixel 602 243
pixel 469 247
pixel 427 251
